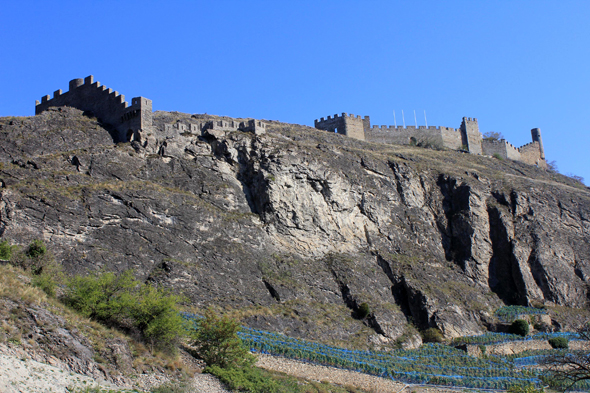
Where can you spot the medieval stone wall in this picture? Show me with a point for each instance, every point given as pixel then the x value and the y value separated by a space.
pixel 500 147
pixel 531 154
pixel 471 135
pixel 107 105
pixel 349 125
pixel 421 135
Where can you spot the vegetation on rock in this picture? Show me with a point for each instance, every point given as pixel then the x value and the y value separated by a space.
pixel 559 342
pixel 520 327
pixel 121 301
pixel 432 335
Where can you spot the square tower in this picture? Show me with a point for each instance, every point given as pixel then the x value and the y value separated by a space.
pixel 470 135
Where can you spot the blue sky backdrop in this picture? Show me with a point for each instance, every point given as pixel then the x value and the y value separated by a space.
pixel 515 65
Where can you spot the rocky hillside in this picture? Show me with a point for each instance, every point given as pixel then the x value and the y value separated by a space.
pixel 293 230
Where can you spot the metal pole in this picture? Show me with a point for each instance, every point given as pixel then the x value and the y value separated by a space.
pixel 415 121
pixel 394 122
pixel 425 121
pixel 403 118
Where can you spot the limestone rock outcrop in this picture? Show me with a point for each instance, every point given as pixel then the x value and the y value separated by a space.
pixel 297 227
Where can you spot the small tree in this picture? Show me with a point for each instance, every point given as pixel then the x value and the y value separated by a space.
pixel 217 342
pixel 155 313
pixel 493 136
pixel 552 166
pixel 520 327
pixel 103 296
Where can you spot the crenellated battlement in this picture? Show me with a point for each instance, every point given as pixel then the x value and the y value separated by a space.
pixel 254 126
pixel 412 128
pixel 106 104
pixel 131 122
pixel 467 136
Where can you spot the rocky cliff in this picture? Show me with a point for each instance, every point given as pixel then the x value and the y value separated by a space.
pixel 296 228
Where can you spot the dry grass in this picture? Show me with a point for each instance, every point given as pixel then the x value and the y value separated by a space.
pixel 15 285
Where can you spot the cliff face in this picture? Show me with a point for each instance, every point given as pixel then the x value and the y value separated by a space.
pixel 298 227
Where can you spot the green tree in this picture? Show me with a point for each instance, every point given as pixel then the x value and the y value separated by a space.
pixel 520 327
pixel 155 313
pixel 121 301
pixel 218 344
pixel 103 296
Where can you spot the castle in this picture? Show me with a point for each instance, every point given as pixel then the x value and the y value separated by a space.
pixel 466 137
pixel 129 123
pixel 134 123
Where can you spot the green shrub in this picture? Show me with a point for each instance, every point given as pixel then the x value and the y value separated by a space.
pixel 105 297
pixel 46 282
pixel 245 379
pixel 36 249
pixel 559 342
pixel 520 327
pixel 432 335
pixel 156 314
pixel 524 388
pixel 5 251
pixel 363 311
pixel 124 302
pixel 497 156
pixel 217 343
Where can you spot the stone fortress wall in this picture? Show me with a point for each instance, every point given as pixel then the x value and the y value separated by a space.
pixel 466 137
pixel 254 126
pixel 131 123
pixel 107 105
pixel 134 123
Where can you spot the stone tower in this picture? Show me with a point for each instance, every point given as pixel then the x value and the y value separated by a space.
pixel 470 135
pixel 349 125
pixel 110 107
pixel 536 134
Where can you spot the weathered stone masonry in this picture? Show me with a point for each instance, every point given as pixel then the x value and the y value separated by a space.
pixel 466 137
pixel 134 123
pixel 131 123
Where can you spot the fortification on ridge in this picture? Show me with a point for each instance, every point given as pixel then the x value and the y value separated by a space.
pixel 130 122
pixel 466 137
pixel 135 123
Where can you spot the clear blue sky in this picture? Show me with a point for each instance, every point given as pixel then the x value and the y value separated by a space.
pixel 514 65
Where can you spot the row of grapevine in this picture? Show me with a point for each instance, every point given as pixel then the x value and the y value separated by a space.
pixel 510 313
pixel 435 364
pixel 500 338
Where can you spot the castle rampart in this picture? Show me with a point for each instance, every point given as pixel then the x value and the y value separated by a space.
pixel 129 122
pixel 349 125
pixel 107 105
pixel 501 148
pixel 532 153
pixel 467 137
pixel 254 126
